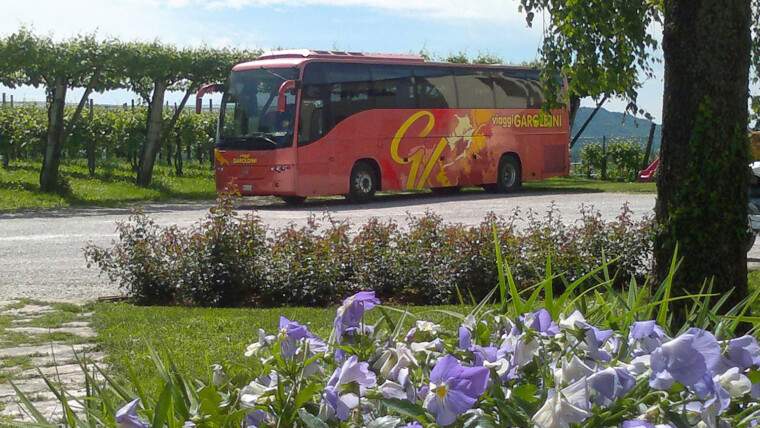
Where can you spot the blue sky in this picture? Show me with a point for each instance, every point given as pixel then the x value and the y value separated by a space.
pixel 439 26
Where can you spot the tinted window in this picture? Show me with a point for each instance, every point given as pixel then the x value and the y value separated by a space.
pixel 510 91
pixel 392 86
pixel 474 89
pixel 535 93
pixel 332 92
pixel 435 88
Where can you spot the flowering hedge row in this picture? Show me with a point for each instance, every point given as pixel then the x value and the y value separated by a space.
pixel 529 371
pixel 231 260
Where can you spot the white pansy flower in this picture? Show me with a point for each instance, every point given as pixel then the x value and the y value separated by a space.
pixel 572 370
pixel 264 341
pixel 735 383
pixel 562 410
pixel 639 365
pixel 525 352
pixel 218 376
pixel 568 323
pixel 394 359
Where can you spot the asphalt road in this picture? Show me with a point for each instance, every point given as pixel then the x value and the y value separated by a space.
pixel 41 253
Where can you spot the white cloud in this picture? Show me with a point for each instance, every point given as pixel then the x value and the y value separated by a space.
pixel 472 10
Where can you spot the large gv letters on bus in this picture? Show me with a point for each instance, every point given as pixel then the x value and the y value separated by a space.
pixel 465 141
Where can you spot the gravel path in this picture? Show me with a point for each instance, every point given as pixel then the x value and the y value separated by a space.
pixel 26 350
pixel 41 253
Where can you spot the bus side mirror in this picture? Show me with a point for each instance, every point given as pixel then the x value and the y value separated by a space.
pixel 286 87
pixel 206 89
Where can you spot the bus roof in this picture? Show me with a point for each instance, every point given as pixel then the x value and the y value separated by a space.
pixel 295 57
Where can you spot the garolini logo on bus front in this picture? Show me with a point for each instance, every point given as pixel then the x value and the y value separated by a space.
pixel 244 159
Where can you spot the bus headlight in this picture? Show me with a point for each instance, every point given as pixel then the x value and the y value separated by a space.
pixel 280 168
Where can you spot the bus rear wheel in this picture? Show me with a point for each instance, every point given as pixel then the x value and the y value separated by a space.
pixel 293 200
pixel 363 183
pixel 510 175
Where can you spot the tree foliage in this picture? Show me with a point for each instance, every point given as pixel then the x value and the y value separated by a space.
pixel 149 69
pixel 607 47
pixel 601 46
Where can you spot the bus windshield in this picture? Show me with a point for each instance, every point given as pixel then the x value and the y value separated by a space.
pixel 249 117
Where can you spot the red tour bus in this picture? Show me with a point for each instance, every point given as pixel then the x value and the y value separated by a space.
pixel 304 123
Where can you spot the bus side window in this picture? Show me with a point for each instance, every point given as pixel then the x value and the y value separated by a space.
pixel 509 91
pixel 392 87
pixel 535 93
pixel 474 89
pixel 349 91
pixel 311 126
pixel 435 88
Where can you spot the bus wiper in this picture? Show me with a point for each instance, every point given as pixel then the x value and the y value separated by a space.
pixel 264 137
pixel 273 73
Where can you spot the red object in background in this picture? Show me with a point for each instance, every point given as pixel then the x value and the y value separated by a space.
pixel 647 175
pixel 411 148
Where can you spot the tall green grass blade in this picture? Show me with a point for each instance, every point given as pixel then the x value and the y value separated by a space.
pixel 549 289
pixel 163 406
pixel 662 315
pixel 500 270
pixel 745 306
pixel 29 407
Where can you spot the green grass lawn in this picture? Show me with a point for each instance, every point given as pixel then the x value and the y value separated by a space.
pixel 112 185
pixel 198 337
pixel 580 184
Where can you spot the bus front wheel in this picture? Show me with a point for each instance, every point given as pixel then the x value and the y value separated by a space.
pixel 363 183
pixel 510 175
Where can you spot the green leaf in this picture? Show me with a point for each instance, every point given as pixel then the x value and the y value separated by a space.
pixel 385 422
pixel 404 408
pixel 306 394
pixel 526 392
pixel 163 406
pixel 310 420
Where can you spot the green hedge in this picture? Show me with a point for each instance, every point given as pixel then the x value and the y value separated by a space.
pixel 232 260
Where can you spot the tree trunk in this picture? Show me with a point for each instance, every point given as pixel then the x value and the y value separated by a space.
pixel 178 156
pixel 91 146
pixel 52 157
pixel 702 184
pixel 153 137
pixel 575 105
pixel 648 150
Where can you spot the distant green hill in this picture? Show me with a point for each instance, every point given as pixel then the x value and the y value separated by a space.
pixel 613 125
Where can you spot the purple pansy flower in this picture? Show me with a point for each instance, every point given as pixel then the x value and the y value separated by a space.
pixel 351 372
pixel 645 337
pixel 637 423
pixel 292 333
pixel 350 313
pixel 595 339
pixel 610 384
pixel 500 359
pixel 465 338
pixel 126 417
pixel 454 389
pixel 256 419
pixel 743 352
pixel 541 321
pixel 686 359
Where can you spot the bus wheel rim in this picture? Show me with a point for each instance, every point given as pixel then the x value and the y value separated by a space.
pixel 510 175
pixel 363 182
